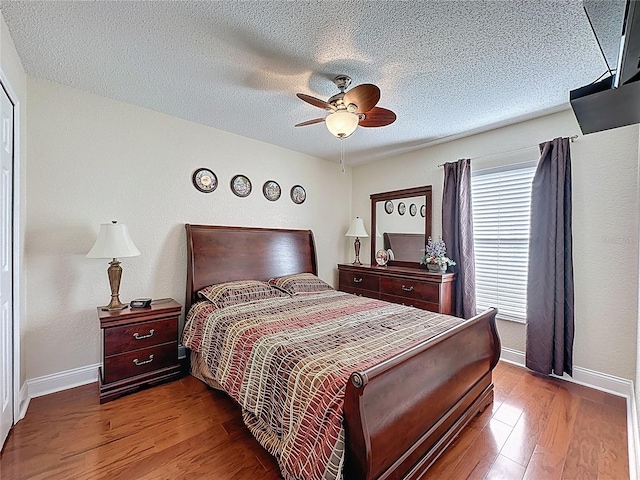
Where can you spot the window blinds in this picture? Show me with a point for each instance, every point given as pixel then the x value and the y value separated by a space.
pixel 501 202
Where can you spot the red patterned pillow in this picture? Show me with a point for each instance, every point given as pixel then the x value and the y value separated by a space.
pixel 300 283
pixel 232 293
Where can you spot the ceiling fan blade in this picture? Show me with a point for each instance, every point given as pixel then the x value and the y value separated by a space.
pixel 365 96
pixel 377 117
pixel 316 102
pixel 310 122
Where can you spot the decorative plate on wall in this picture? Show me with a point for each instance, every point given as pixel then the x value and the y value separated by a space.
pixel 402 208
pixel 204 180
pixel 413 209
pixel 271 190
pixel 423 211
pixel 388 206
pixel 241 185
pixel 298 194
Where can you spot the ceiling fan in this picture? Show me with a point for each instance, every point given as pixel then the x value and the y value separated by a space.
pixel 349 109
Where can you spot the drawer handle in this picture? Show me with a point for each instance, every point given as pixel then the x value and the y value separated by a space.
pixel 407 289
pixel 144 362
pixel 137 336
pixel 357 280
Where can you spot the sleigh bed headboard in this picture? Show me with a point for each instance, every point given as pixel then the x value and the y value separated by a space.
pixel 218 254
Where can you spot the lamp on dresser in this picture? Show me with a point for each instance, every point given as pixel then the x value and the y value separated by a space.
pixel 114 242
pixel 356 229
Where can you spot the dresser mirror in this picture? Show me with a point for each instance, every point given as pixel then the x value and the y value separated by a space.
pixel 401 222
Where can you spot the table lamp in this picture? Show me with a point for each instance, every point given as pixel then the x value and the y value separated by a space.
pixel 357 230
pixel 114 241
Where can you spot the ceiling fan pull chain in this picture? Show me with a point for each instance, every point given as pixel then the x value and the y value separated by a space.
pixel 342 153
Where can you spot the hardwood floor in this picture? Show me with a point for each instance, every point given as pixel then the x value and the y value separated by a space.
pixel 538 428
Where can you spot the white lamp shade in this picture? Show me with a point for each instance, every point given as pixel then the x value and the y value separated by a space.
pixel 357 229
pixel 342 123
pixel 113 241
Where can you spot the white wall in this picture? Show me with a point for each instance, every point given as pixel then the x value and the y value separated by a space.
pixel 14 74
pixel 605 223
pixel 92 159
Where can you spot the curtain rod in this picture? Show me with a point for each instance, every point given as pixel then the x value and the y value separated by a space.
pixel 571 139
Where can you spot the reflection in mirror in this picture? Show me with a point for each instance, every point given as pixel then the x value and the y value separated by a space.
pixel 401 223
pixel 403 234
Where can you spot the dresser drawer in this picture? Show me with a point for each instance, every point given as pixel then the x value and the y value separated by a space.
pixel 410 302
pixel 141 361
pixel 361 293
pixel 422 291
pixel 361 281
pixel 139 335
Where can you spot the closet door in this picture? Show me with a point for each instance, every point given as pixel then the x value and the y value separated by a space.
pixel 6 266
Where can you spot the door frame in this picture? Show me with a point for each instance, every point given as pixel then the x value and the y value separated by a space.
pixel 16 247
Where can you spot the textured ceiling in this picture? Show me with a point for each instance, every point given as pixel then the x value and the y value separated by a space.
pixel 445 67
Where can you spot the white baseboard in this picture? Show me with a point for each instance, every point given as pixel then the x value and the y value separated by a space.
pixel 57 382
pixel 607 383
pixel 583 376
pixel 600 381
pixel 512 356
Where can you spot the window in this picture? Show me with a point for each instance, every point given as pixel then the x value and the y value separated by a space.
pixel 501 202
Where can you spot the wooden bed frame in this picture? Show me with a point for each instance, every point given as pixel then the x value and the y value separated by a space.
pixel 399 415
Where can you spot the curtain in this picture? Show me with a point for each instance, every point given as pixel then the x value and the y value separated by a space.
pixel 550 321
pixel 457 233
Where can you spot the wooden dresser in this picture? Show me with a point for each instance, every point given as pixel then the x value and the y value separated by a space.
pixel 140 348
pixel 410 286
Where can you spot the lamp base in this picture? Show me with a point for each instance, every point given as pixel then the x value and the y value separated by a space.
pixel 115 273
pixel 114 304
pixel 356 246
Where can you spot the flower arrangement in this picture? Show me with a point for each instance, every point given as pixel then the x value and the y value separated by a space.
pixel 435 253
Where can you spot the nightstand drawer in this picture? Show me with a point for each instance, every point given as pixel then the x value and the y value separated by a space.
pixel 359 280
pixel 139 335
pixel 422 291
pixel 141 361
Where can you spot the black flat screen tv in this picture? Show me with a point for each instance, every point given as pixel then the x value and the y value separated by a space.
pixel 615 101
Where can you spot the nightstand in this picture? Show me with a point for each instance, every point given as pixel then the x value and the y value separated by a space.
pixel 139 348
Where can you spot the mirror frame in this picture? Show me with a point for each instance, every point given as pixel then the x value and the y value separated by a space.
pixel 396 195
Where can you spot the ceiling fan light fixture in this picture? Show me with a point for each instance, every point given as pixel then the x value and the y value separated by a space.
pixel 342 123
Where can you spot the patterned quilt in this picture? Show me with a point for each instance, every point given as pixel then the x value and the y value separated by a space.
pixel 286 361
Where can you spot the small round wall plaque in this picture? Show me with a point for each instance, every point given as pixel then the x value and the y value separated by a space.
pixel 241 186
pixel 271 190
pixel 413 209
pixel 423 211
pixel 402 208
pixel 388 206
pixel 298 194
pixel 204 180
